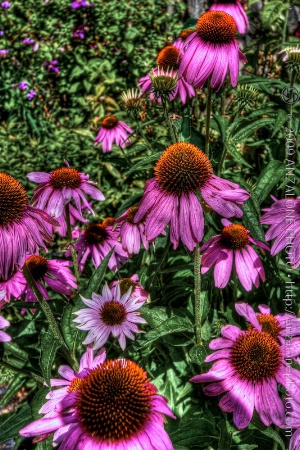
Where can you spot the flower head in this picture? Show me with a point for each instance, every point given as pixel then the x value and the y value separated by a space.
pixel 3 52
pixel 54 273
pixel 282 229
pixel 171 196
pixel 163 81
pixel 236 10
pixel 79 31
pixel 23 85
pixel 211 51
pixel 233 247
pixel 133 101
pixel 249 365
pixel 180 42
pixel 132 234
pixel 110 313
pixel 28 41
pixel 112 130
pixel 115 407
pixel 52 66
pixel 31 94
pixel 23 228
pixel 132 283
pixel 292 59
pixel 97 239
pixel 14 285
pixel 60 186
pixel 4 337
pixel 5 5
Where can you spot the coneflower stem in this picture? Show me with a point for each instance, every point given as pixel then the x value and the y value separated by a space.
pixel 143 135
pixel 220 166
pixel 167 116
pixel 70 244
pixel 48 313
pixel 207 125
pixel 198 308
pixel 23 372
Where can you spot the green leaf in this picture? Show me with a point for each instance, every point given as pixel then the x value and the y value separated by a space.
pixel 281 118
pixel 194 433
pixel 245 447
pixel 172 325
pixel 11 427
pixel 49 347
pixel 251 219
pixel 198 354
pixel 14 386
pixel 231 149
pixel 38 401
pixel 269 177
pixel 47 444
pixel 245 130
pixel 225 436
pixel 145 163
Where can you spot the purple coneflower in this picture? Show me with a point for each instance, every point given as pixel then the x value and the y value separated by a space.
pixel 4 337
pixel 137 289
pixel 31 94
pixel 233 247
pixel 23 85
pixel 14 286
pixel 211 51
pixel 280 326
pixel 110 313
pixel 292 420
pixel 171 196
pixel 74 217
pixel 97 239
pixel 71 383
pixel 3 52
pixel 236 10
pixel 249 365
pixel 132 418
pixel 132 234
pixel 55 273
pixel 169 59
pixel 59 187
pixel 284 217
pixel 23 228
pixel 113 130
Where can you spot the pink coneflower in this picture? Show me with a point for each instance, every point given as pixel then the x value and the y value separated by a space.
pixel 132 234
pixel 137 289
pixel 171 196
pixel 131 418
pixel 169 59
pixel 55 273
pixel 4 337
pixel 236 10
pixel 74 217
pixel 284 217
pixel 71 382
pixel 97 239
pixel 280 326
pixel 249 364
pixel 113 130
pixel 233 247
pixel 22 227
pixel 180 42
pixel 211 51
pixel 293 421
pixel 14 286
pixel 59 187
pixel 110 313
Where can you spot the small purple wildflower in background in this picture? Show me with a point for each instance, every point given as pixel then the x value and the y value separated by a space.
pixel 79 31
pixel 28 41
pixel 52 66
pixel 1 32
pixel 3 52
pixel 23 85
pixel 78 4
pixel 5 5
pixel 31 94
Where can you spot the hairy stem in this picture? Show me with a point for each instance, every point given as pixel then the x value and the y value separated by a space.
pixel 198 309
pixel 70 244
pixel 167 116
pixel 207 125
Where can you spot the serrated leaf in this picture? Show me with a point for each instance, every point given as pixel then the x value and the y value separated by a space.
pixel 49 347
pixel 11 427
pixel 269 177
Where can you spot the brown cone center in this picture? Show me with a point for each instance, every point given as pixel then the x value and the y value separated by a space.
pixel 186 33
pixel 269 325
pixel 182 168
pixel 216 27
pixel 235 236
pixel 109 122
pixel 65 177
pixel 114 401
pixel 125 284
pixel 13 199
pixel 113 313
pixel 169 57
pixel 256 356
pixel 95 233
pixel 37 265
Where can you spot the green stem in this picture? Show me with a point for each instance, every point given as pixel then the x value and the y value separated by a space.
pixel 23 372
pixel 70 244
pixel 207 125
pixel 220 166
pixel 166 113
pixel 48 313
pixel 143 135
pixel 198 309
